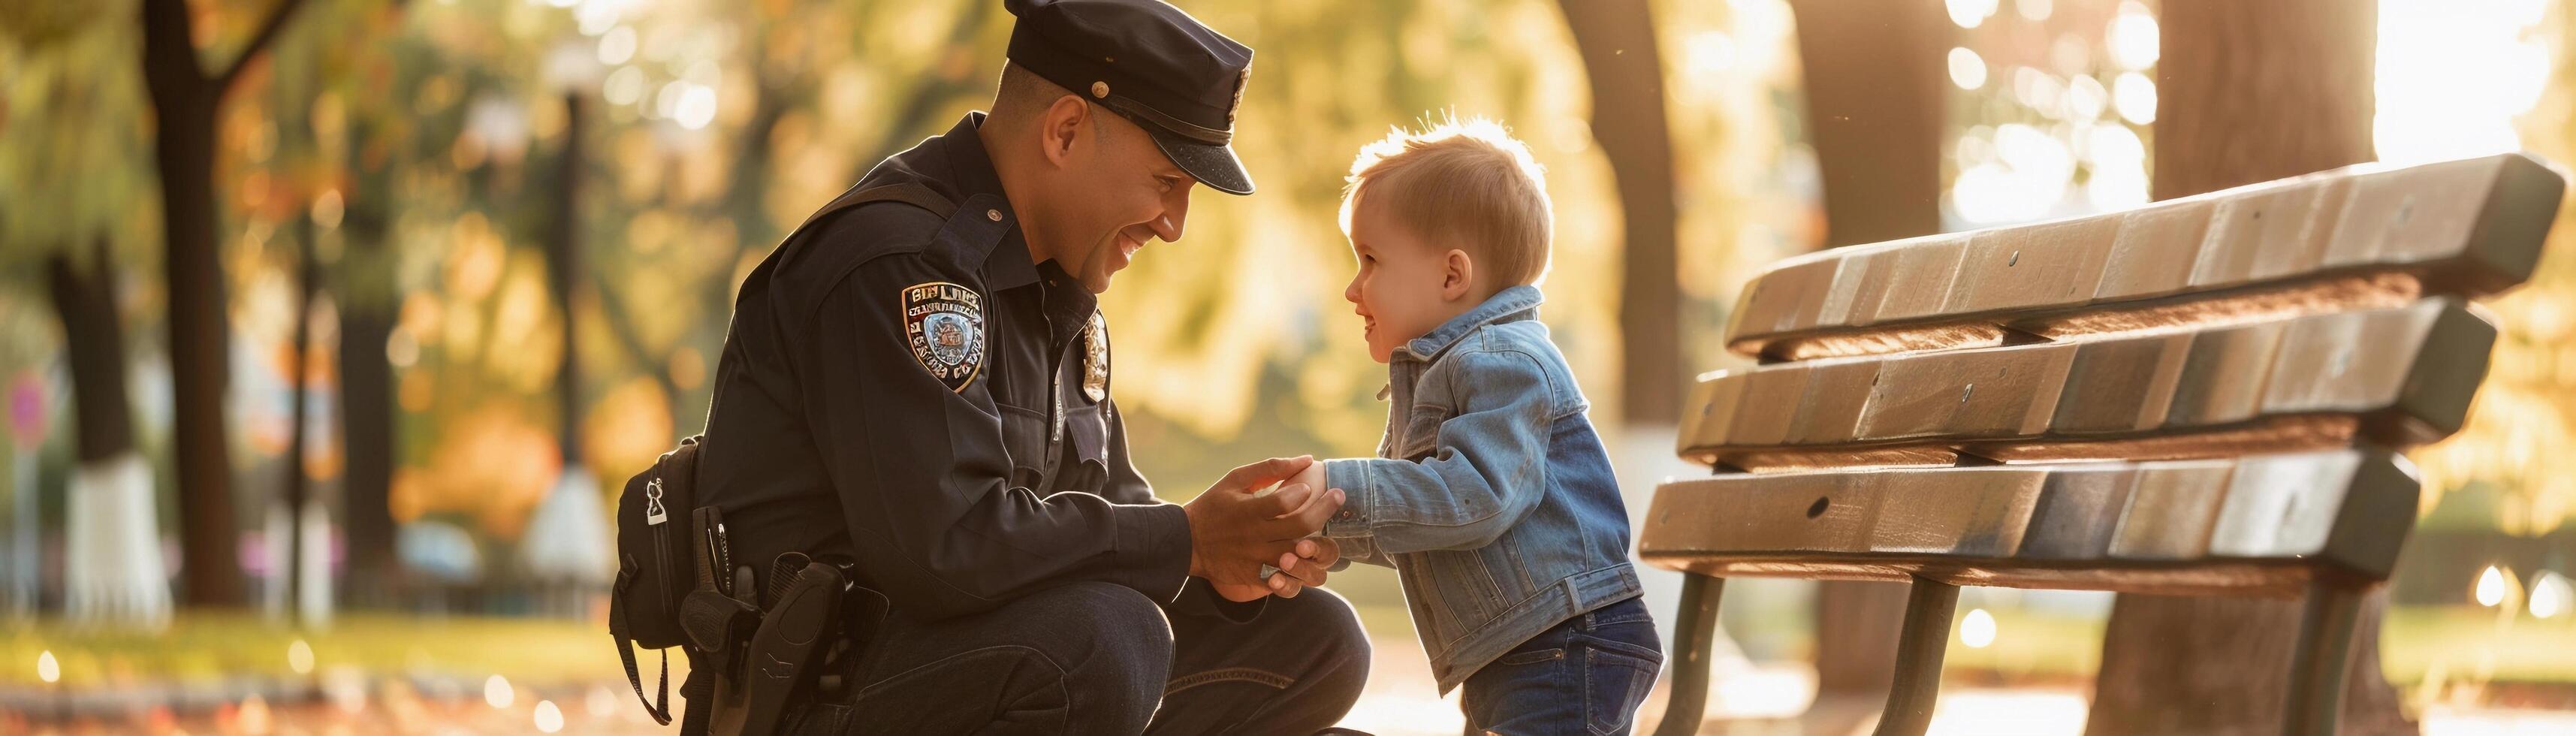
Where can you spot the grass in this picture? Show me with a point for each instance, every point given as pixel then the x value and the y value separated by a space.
pixel 2448 643
pixel 2456 641
pixel 210 647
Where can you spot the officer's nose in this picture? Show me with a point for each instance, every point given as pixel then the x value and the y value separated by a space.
pixel 1176 215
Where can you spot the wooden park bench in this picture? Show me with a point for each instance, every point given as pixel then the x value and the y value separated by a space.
pixel 2206 396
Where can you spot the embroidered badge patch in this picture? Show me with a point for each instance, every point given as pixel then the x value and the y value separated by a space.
pixel 945 324
pixel 1095 363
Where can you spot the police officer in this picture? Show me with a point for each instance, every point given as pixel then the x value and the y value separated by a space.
pixel 917 381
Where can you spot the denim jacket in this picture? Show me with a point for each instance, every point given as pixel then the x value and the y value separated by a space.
pixel 1491 495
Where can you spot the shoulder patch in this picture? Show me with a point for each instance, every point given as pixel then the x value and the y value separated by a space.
pixel 945 324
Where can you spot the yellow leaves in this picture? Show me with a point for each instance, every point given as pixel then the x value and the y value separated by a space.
pixel 629 427
pixel 688 369
pixel 2516 437
pixel 547 117
pixel 414 391
pixel 1191 342
pixel 420 316
pixel 527 339
pixel 1332 380
pixel 702 172
pixel 493 463
pixel 475 257
pixel 436 95
pixel 640 172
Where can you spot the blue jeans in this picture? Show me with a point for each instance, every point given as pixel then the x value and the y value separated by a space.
pixel 1586 675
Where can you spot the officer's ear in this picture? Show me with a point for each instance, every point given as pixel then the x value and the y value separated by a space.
pixel 1060 129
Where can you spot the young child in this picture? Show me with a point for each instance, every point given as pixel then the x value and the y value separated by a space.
pixel 1491 494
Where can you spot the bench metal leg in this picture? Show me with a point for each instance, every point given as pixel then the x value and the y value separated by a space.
pixel 1694 631
pixel 2317 666
pixel 1926 637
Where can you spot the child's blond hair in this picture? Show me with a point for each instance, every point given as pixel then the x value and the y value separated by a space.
pixel 1465 183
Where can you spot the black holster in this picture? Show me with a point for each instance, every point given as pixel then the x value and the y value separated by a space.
pixel 761 654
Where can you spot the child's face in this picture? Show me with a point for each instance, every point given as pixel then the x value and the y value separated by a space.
pixel 1405 286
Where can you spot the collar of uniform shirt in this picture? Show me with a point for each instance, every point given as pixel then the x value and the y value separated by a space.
pixel 1008 265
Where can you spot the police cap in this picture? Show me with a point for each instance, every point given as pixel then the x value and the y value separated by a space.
pixel 1150 62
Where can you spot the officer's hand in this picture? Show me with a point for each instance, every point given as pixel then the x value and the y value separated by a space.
pixel 1305 566
pixel 1233 531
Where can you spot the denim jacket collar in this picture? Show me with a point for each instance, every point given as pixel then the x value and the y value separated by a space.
pixel 1509 305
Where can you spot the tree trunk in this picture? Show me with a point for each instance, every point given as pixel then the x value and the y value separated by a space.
pixel 1874 110
pixel 367 428
pixel 1875 113
pixel 2247 92
pixel 112 571
pixel 1617 41
pixel 200 336
pixel 299 488
pixel 368 301
pixel 94 335
pixel 563 255
pixel 184 101
pixel 2250 92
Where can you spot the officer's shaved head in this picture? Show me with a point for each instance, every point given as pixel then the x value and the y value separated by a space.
pixel 1090 185
pixel 1023 96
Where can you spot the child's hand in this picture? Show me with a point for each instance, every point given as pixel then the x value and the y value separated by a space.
pixel 1304 566
pixel 1311 477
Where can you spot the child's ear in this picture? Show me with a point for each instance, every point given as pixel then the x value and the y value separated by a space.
pixel 1458 275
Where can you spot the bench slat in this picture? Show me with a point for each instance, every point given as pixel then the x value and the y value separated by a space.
pixel 2369 233
pixel 2401 376
pixel 2269 522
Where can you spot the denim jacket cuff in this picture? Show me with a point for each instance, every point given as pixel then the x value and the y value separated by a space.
pixel 1350 475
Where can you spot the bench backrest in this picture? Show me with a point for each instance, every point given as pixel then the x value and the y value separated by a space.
pixel 2204 395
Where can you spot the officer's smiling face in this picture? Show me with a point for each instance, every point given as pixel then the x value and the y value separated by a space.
pixel 1118 192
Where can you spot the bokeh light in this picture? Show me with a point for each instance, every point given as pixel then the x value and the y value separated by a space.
pixel 2490 588
pixel 2550 596
pixel 1969 13
pixel 498 693
pixel 1966 69
pixel 549 718
pixel 299 657
pixel 2135 41
pixel 1977 629
pixel 2451 76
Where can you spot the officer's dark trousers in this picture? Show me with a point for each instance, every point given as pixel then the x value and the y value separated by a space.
pixel 1096 658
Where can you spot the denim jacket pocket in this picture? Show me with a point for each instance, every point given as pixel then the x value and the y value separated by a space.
pixel 1421 432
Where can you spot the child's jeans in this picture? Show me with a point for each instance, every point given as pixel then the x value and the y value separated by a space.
pixel 1586 675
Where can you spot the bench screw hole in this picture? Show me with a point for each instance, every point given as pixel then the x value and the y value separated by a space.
pixel 1818 508
pixel 1964 393
pixel 2014 261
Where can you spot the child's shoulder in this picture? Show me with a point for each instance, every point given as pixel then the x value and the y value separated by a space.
pixel 1520 346
pixel 1528 336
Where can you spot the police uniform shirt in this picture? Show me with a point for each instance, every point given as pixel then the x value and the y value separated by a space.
pixel 915 394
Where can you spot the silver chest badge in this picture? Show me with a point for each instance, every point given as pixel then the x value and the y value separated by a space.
pixel 1095 363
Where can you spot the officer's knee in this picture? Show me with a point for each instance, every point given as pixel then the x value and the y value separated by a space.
pixel 1114 648
pixel 1341 645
